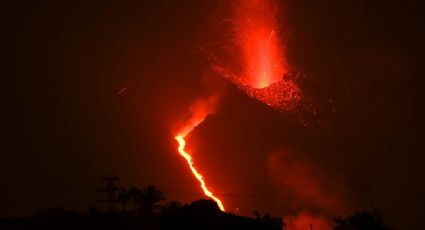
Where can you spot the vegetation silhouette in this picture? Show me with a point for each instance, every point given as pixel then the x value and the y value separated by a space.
pixel 134 195
pixel 143 200
pixel 205 214
pixel 144 209
pixel 366 220
pixel 150 197
pixel 123 198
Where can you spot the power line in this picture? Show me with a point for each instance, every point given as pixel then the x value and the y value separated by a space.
pixel 110 190
pixel 300 197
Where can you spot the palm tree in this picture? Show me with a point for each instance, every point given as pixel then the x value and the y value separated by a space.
pixel 150 196
pixel 134 195
pixel 273 222
pixel 123 198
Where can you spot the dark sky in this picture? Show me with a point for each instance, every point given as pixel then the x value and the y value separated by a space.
pixel 65 126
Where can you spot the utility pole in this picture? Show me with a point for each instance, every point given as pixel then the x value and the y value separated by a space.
pixel 110 190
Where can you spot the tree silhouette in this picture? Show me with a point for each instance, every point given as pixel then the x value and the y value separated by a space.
pixel 365 220
pixel 150 196
pixel 123 198
pixel 134 196
pixel 268 220
pixel 257 214
pixel 172 208
pixel 200 214
pixel 204 207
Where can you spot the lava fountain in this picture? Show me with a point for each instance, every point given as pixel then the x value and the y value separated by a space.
pixel 257 38
pixel 263 72
pixel 199 111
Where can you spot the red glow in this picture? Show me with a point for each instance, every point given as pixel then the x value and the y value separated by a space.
pixel 199 110
pixel 316 194
pixel 261 49
pixel 198 176
pixel 280 95
pixel 307 221
pixel 264 73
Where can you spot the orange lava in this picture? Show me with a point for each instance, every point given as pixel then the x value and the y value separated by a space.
pixel 283 95
pixel 261 69
pixel 198 176
pixel 257 37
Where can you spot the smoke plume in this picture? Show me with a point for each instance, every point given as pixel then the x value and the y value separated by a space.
pixel 305 193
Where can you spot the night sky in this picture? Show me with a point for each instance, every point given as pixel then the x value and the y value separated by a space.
pixel 65 124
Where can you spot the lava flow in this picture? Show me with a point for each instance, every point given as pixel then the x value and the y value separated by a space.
pixel 199 110
pixel 198 176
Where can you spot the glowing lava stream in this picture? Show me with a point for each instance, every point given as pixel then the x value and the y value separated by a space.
pixel 199 177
